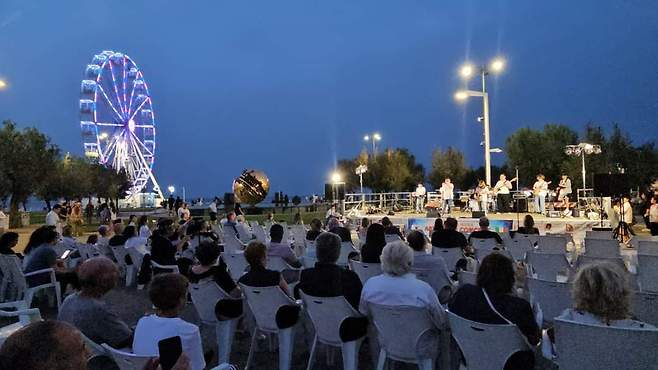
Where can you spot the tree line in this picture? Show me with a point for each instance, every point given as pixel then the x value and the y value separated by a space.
pixel 31 165
pixel 532 151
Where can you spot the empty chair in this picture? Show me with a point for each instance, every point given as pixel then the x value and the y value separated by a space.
pixel 437 279
pixel 552 297
pixel 583 346
pixel 346 248
pixel 480 254
pixel 547 266
pixel 232 244
pixel 126 360
pixel 486 346
pixel 518 247
pixel 166 268
pixel 13 274
pixel 645 307
pixel 365 270
pixel 647 247
pixel 278 264
pixel 608 248
pixel 308 261
pixel 20 310
pixel 259 233
pixel 484 244
pixel 401 331
pixel 129 271
pixel 598 234
pixel 585 259
pixel 552 244
pixel 647 272
pixel 532 238
pixel 265 303
pixel 450 255
pixel 467 277
pixel 236 264
pixel 328 315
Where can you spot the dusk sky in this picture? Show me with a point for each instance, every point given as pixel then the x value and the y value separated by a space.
pixel 288 87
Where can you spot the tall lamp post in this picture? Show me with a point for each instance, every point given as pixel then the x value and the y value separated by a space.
pixel 374 138
pixel 581 150
pixel 466 72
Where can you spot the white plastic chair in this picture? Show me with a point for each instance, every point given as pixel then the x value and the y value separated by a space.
pixel 547 266
pixel 236 263
pixel 582 346
pixel 532 238
pixel 551 297
pixel 647 247
pixel 205 295
pixel 365 270
pixel 259 233
pixel 486 346
pixel 406 334
pixel 467 277
pixel 647 272
pixel 278 264
pixel 126 360
pixel 484 244
pixel 129 271
pixel 24 314
pixel 598 234
pixel 15 277
pixel 450 255
pixel 327 314
pixel 264 303
pixel 389 238
pixel 608 248
pixel 168 268
pixel 481 253
pixel 645 307
pixel 518 247
pixel 584 259
pixel 308 261
pixel 552 244
pixel 436 278
pixel 232 244
pixel 345 249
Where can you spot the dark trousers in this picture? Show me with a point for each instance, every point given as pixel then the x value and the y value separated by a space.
pixel 653 226
pixel 502 202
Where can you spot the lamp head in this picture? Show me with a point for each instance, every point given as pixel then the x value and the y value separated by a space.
pixel 461 95
pixel 466 71
pixel 497 65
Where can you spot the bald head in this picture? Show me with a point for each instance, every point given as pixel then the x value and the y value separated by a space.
pixel 97 276
pixel 53 345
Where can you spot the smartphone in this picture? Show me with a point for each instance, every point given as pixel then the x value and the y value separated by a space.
pixel 65 254
pixel 170 350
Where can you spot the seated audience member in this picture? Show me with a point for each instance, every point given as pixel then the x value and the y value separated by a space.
pixel 390 229
pixel 438 225
pixel 44 256
pixel 528 226
pixel 334 226
pixel 103 243
pixel 68 240
pixel 495 282
pixel 86 309
pixel 316 229
pixel 41 345
pixel 133 240
pixel 277 248
pixel 362 230
pixel 375 243
pixel 448 236
pixel 163 249
pixel 168 293
pixel 327 279
pixel 143 227
pixel 601 295
pixel 423 259
pixel 258 275
pixel 118 238
pixel 397 286
pixel 484 232
pixel 8 241
pixel 231 224
pixel 207 254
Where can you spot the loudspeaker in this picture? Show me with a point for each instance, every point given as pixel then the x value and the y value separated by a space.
pixel 610 185
pixel 521 205
pixel 339 190
pixel 433 213
pixel 477 214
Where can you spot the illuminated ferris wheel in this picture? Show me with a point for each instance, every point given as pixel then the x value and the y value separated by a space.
pixel 117 120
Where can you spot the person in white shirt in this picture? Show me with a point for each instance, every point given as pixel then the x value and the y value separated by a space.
pixel 212 209
pixel 540 190
pixel 52 218
pixel 331 212
pixel 447 189
pixel 482 196
pixel 502 191
pixel 168 293
pixel 420 197
pixel 184 212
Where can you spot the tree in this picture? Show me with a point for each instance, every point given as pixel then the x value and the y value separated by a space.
pixel 392 170
pixel 447 163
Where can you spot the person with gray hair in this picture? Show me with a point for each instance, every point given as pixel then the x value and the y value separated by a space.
pixel 326 279
pixel 484 232
pixel 397 286
pixel 88 312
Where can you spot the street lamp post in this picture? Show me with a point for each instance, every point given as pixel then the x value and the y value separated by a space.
pixel 581 150
pixel 374 137
pixel 466 72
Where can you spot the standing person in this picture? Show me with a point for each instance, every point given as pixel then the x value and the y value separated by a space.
pixel 502 191
pixel 212 209
pixel 482 193
pixel 447 190
pixel 540 190
pixel 89 212
pixel 75 220
pixel 420 197
pixel 184 212
pixel 653 216
pixel 237 208
pixel 143 227
pixel 170 203
pixel 564 188
pixel 104 214
pixel 53 219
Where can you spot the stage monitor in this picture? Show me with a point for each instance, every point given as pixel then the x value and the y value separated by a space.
pixel 610 185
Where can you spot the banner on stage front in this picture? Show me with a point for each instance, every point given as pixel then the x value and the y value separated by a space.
pixel 464 225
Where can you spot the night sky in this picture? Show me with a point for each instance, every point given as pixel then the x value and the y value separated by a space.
pixel 290 86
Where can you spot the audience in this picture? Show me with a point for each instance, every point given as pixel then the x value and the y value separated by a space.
pixel 51 345
pixel 448 236
pixel 375 243
pixel 163 249
pixel 103 243
pixel 423 259
pixel 258 275
pixel 143 227
pixel 438 225
pixel 484 232
pixel 68 241
pixel 207 254
pixel 492 301
pixel 277 248
pixel 168 293
pixel 8 241
pixel 528 226
pixel 316 229
pixel 88 312
pixel 327 279
pixel 362 230
pixel 133 240
pixel 390 229
pixel 44 256
pixel 334 226
pixel 118 238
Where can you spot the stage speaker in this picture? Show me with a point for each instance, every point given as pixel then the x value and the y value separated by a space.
pixel 521 205
pixel 477 214
pixel 601 229
pixel 610 185
pixel 433 213
pixel 334 189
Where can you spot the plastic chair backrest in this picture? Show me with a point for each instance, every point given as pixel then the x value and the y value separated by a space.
pixel 232 244
pixel 205 294
pixel 648 247
pixel 467 277
pixel 236 263
pixel 582 346
pixel 327 313
pixel 278 264
pixel 345 249
pixel 264 302
pixel 404 331
pixel 484 244
pixel 608 248
pixel 647 272
pixel 15 272
pixel 584 259
pixel 645 307
pixel 548 265
pixel 434 277
pixel 598 234
pixel 392 238
pixel 552 244
pixel 126 360
pixel 486 346
pixel 518 247
pixel 552 297
pixel 532 238
pixel 450 255
pixel 120 254
pixel 259 233
pixel 365 270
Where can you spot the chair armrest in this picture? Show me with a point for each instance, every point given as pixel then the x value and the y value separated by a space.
pixel 19 305
pixel 25 312
pixel 42 271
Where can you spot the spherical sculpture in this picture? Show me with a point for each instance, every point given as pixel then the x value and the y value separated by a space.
pixel 251 187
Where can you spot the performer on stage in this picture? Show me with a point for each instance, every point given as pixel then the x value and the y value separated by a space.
pixel 502 192
pixel 540 190
pixel 482 195
pixel 446 190
pixel 420 197
pixel 564 189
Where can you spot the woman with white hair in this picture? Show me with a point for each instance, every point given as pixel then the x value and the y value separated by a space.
pixel 397 286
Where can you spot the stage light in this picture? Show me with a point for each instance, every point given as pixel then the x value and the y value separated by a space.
pixel 466 70
pixel 376 136
pixel 336 177
pixel 497 65
pixel 3 84
pixel 171 189
pixel 366 138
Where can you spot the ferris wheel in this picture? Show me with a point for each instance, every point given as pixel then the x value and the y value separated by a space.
pixel 116 118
